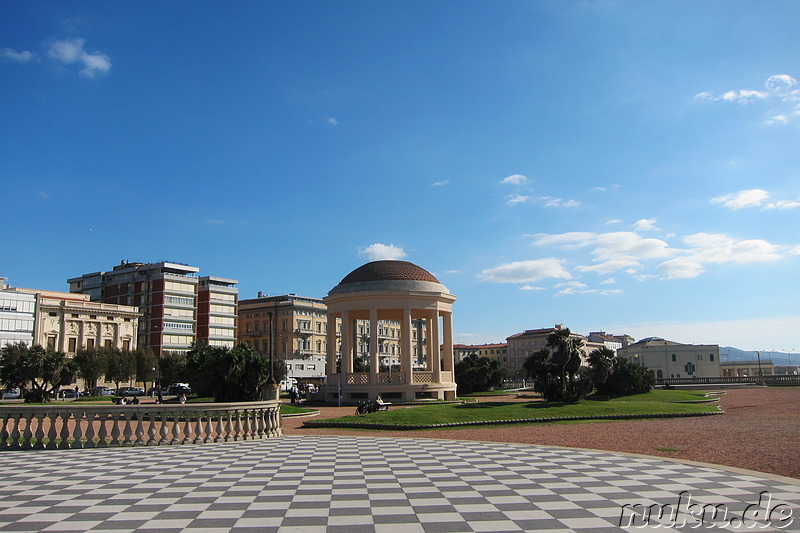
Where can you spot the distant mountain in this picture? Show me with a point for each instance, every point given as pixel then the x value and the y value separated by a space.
pixel 728 353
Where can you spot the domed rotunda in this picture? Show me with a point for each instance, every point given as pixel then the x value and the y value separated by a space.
pixel 376 306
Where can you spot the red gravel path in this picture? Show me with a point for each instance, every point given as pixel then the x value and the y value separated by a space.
pixel 759 431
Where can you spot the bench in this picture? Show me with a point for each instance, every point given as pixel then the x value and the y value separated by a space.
pixel 383 406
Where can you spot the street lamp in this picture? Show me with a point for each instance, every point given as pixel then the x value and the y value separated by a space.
pixel 760 373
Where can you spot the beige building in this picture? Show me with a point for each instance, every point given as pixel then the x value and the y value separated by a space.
pixel 521 345
pixel 297 324
pixel 68 322
pixel 668 359
pixel 492 351
pixel 738 369
pixel 374 299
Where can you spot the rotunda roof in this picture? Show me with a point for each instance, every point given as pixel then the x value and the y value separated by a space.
pixel 389 276
pixel 388 271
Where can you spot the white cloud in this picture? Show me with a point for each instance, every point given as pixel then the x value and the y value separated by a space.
pixel 514 199
pixel 720 248
pixel 526 271
pixel 549 201
pixel 626 245
pixel 331 121
pixel 569 240
pixel 645 224
pixel 742 199
pixel 613 265
pixel 613 221
pixel 19 57
pixel 779 89
pixel 441 183
pixel 577 287
pixel 531 288
pixel 681 268
pixel 70 51
pixel 783 204
pixel 378 251
pixel 515 179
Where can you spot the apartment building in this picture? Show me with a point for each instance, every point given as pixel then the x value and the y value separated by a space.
pixel 299 327
pixel 492 351
pixel 68 322
pixel 520 345
pixel 177 306
pixel 17 315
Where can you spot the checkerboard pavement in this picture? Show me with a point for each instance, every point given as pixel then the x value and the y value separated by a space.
pixel 364 484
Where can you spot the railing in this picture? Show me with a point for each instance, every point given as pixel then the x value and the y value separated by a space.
pixel 86 426
pixel 767 380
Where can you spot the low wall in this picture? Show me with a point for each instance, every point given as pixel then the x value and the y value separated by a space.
pixel 67 425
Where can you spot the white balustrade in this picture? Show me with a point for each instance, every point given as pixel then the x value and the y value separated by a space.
pixel 90 426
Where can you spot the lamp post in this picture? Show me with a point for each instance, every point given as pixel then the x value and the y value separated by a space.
pixel 760 373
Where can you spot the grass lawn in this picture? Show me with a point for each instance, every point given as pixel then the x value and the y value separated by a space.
pixel 652 403
pixel 287 409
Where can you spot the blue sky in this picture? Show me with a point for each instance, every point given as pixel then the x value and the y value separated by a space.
pixel 622 166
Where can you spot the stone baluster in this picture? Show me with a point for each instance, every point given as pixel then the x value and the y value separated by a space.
pixel 220 431
pixel 163 428
pixel 209 428
pixel 4 433
pixel 187 427
pixel 176 427
pixel 198 432
pixel 237 428
pixel 91 417
pixel 139 432
pixel 15 434
pixel 127 430
pixel 52 434
pixel 77 432
pixel 116 418
pixel 64 444
pixel 151 431
pixel 27 434
pixel 228 425
pixel 102 431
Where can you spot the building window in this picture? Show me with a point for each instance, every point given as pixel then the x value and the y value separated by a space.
pixel 51 342
pixel 73 344
pixel 674 358
pixel 711 357
pixel 89 344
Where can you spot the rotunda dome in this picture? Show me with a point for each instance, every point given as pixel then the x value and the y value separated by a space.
pixel 389 275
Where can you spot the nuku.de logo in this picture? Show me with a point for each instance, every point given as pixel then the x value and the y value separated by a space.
pixel 684 513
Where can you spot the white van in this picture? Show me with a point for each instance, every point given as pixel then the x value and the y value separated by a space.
pixel 287 384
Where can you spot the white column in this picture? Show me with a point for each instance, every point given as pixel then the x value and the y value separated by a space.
pixel 347 351
pixel 449 358
pixel 373 346
pixel 434 354
pixel 406 353
pixel 429 361
pixel 331 351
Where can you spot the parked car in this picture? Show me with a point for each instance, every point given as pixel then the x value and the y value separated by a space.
pixel 67 393
pixel 101 391
pixel 10 394
pixel 131 391
pixel 154 391
pixel 179 388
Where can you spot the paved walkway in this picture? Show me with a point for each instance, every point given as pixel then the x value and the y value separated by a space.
pixel 354 484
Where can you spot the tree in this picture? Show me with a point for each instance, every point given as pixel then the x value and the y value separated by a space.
pixel 478 374
pixel 172 368
pixel 626 379
pixel 556 369
pixel 44 370
pixel 230 375
pixel 121 365
pixel 146 364
pixel 602 362
pixel 92 365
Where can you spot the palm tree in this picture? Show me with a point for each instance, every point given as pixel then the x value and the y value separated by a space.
pixel 602 362
pixel 566 355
